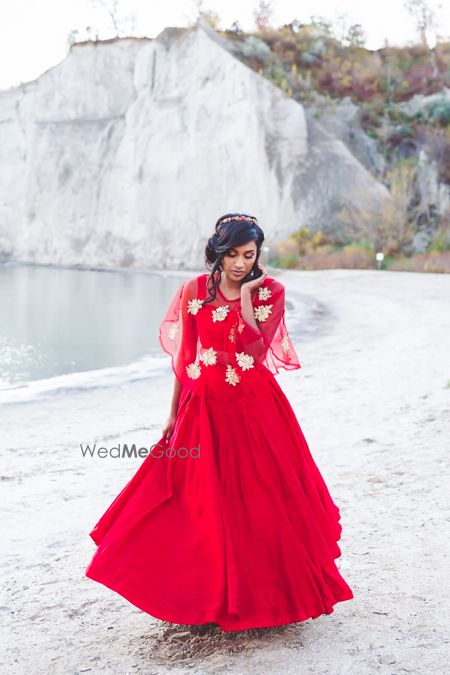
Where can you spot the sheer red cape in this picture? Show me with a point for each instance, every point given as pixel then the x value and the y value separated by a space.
pixel 181 328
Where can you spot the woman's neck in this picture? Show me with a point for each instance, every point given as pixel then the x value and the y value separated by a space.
pixel 231 289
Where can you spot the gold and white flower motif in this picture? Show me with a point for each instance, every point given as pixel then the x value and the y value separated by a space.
pixel 173 330
pixel 262 312
pixel 244 360
pixel 231 376
pixel 220 313
pixel 232 334
pixel 285 344
pixel 209 357
pixel 194 305
pixel 193 370
pixel 264 293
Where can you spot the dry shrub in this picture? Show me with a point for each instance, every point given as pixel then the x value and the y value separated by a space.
pixel 441 238
pixel 314 250
pixel 390 226
pixel 288 253
pixel 308 241
pixel 352 256
pixel 300 243
pixel 427 262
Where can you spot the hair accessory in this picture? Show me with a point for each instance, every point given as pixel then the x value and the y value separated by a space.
pixel 249 218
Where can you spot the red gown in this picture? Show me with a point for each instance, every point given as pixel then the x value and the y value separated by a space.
pixel 231 521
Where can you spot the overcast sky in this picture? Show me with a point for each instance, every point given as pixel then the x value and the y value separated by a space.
pixel 33 33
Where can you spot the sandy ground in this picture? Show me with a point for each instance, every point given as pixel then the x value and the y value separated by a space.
pixel 373 399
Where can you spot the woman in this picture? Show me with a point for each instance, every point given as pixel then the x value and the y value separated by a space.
pixel 228 520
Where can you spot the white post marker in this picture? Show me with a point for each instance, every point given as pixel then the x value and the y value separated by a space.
pixel 380 257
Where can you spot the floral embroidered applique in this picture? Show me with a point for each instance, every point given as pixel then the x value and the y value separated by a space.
pixel 173 330
pixel 244 360
pixel 240 322
pixel 264 293
pixel 262 312
pixel 285 344
pixel 193 370
pixel 194 305
pixel 220 313
pixel 231 376
pixel 209 357
pixel 232 334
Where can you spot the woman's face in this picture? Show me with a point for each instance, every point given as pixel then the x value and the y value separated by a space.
pixel 238 262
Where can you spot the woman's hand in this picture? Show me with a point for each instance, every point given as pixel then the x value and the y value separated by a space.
pixel 250 286
pixel 168 426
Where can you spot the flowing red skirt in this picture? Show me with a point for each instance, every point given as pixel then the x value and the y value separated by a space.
pixel 242 532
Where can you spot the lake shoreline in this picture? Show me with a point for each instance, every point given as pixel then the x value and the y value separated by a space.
pixel 24 355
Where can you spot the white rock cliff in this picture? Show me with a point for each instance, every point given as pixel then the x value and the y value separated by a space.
pixel 127 152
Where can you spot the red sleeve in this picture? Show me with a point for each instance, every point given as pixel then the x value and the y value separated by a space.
pixel 178 331
pixel 272 345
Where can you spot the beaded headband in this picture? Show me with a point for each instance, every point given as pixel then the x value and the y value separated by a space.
pixel 249 218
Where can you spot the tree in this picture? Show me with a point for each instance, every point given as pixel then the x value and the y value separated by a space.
pixel 211 18
pixel 125 24
pixel 349 35
pixel 235 28
pixel 112 9
pixel 391 225
pixel 321 25
pixel 73 37
pixel 294 26
pixel 201 14
pixel 263 13
pixel 424 15
pixel 388 59
pixel 356 36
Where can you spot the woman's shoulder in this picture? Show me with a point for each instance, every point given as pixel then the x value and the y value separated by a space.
pixel 193 285
pixel 272 284
pixel 272 281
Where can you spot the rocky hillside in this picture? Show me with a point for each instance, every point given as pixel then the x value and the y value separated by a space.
pixel 128 151
pixel 390 107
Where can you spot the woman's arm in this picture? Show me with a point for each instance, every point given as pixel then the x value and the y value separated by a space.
pixel 168 426
pixel 256 336
pixel 178 337
pixel 175 396
pixel 247 308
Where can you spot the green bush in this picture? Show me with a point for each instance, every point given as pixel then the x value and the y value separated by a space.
pixel 439 112
pixel 439 243
pixel 255 48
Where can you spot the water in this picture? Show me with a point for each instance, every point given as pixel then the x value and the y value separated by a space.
pixel 56 321
pixel 65 329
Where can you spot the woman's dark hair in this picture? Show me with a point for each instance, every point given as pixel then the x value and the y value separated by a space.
pixel 229 235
